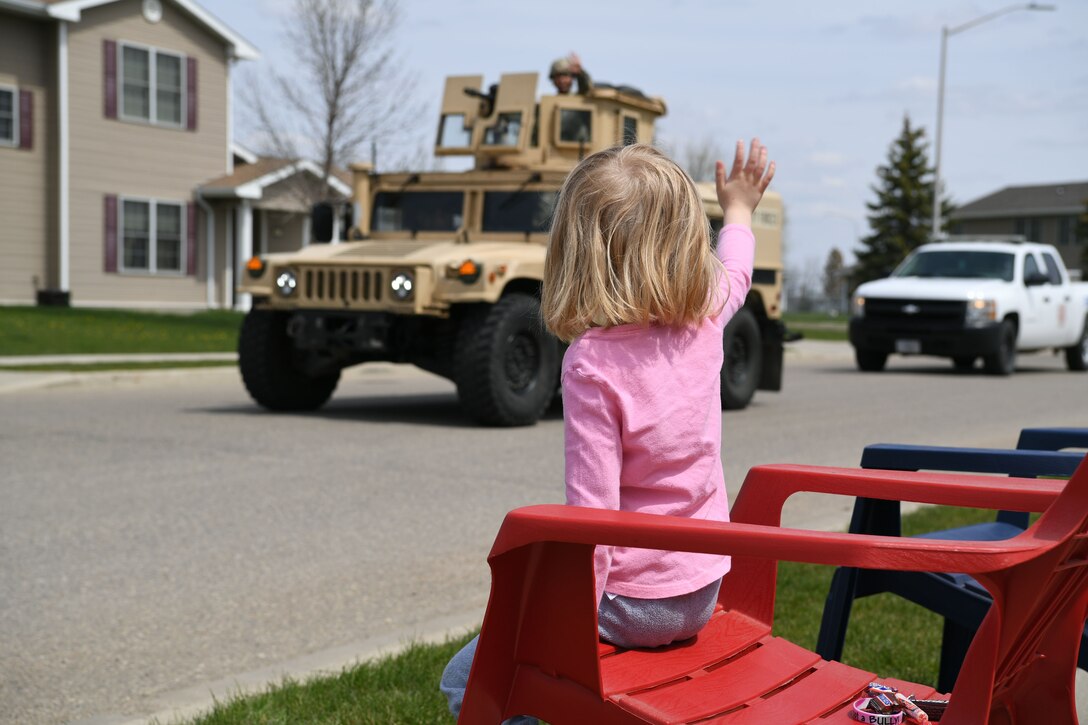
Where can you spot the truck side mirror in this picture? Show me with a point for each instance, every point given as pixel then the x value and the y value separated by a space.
pixel 322 222
pixel 1035 279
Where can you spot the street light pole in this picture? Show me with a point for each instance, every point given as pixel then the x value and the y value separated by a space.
pixel 945 32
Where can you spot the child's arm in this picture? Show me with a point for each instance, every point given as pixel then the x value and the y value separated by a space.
pixel 594 454
pixel 739 192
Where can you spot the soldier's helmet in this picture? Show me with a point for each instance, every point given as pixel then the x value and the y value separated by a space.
pixel 559 67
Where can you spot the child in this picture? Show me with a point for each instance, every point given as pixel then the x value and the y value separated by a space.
pixel 632 281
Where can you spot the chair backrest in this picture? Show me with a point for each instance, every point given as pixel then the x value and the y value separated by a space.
pixel 1025 651
pixel 1053 439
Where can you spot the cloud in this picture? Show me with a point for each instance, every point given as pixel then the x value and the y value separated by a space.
pixel 826 158
pixel 833 182
pixel 920 84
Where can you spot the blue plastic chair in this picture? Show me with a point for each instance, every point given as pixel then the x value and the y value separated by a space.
pixel 958 598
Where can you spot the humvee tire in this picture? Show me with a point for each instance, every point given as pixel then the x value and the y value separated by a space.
pixel 266 360
pixel 743 361
pixel 506 364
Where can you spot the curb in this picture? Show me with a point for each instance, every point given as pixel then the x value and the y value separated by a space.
pixel 192 702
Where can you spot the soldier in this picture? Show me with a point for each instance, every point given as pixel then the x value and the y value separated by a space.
pixel 565 70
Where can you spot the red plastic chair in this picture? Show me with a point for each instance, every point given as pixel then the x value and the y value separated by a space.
pixel 539 653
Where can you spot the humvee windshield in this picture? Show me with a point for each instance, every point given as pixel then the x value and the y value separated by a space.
pixel 418 211
pixel 518 211
pixel 958 264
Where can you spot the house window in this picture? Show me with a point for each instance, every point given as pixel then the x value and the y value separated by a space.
pixel 152 85
pixel 152 232
pixel 9 116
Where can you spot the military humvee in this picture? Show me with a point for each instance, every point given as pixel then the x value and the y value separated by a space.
pixel 443 269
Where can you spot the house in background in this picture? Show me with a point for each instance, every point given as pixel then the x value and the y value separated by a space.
pixel 120 184
pixel 1044 213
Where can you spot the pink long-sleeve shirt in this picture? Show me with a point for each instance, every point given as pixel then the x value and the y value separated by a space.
pixel 643 431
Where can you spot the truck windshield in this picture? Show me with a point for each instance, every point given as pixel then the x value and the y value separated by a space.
pixel 518 211
pixel 418 211
pixel 958 264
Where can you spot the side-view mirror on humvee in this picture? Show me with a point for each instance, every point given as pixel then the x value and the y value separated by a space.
pixel 444 269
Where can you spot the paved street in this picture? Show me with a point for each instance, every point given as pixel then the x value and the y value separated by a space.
pixel 161 536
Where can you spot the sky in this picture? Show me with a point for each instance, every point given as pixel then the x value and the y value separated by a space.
pixel 825 85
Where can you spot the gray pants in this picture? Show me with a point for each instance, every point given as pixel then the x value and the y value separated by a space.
pixel 623 621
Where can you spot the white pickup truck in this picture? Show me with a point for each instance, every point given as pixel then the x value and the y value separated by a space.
pixel 970 299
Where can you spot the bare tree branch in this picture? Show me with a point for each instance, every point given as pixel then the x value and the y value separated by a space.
pixel 345 90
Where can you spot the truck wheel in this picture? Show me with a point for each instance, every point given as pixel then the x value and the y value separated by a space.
pixel 1076 356
pixel 266 359
pixel 506 364
pixel 870 361
pixel 1003 362
pixel 964 363
pixel 743 359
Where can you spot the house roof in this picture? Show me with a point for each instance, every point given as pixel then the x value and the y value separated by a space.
pixel 1038 200
pixel 248 181
pixel 72 11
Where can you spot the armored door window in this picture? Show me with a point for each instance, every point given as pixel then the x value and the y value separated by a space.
pixel 452 132
pixel 418 211
pixel 505 131
pixel 630 130
pixel 518 211
pixel 575 126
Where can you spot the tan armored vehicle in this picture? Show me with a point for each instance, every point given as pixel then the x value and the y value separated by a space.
pixel 443 269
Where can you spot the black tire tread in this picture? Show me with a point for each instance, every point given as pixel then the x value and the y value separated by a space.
pixel 268 372
pixel 477 334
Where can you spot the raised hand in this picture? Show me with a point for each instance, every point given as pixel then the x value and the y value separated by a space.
pixel 741 190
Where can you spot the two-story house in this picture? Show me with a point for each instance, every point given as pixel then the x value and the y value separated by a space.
pixel 120 184
pixel 1044 213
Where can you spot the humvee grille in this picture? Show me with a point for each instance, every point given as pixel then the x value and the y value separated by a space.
pixel 346 286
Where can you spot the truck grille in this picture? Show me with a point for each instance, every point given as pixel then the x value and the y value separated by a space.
pixel 345 286
pixel 906 316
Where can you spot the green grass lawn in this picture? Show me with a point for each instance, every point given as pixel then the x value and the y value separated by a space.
pixel 71 331
pixel 817 325
pixel 887 635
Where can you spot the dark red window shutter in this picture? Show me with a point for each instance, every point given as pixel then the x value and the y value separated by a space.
pixel 109 64
pixel 26 119
pixel 190 240
pixel 111 233
pixel 190 92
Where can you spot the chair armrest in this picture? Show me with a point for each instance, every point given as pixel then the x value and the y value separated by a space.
pixel 549 524
pixel 766 489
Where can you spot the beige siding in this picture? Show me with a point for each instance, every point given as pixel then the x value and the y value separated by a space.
pixel 112 156
pixel 28 229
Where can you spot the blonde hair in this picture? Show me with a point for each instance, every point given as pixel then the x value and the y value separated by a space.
pixel 630 243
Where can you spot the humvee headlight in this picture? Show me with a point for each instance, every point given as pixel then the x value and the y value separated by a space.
pixel 286 283
pixel 402 285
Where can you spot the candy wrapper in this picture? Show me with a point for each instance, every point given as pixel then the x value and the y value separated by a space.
pixel 884 705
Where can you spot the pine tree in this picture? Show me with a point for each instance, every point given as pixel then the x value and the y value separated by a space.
pixel 902 215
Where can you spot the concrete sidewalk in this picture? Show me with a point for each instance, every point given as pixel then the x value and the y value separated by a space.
pixel 15 380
